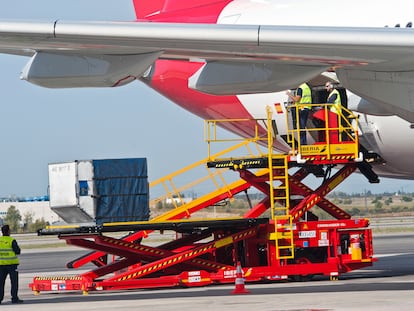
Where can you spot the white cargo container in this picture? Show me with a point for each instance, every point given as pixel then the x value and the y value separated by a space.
pixel 98 191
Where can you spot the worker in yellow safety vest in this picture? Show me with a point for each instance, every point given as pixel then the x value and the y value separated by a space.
pixel 303 100
pixel 9 249
pixel 334 98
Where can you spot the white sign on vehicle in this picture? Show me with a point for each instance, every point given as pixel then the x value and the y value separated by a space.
pixel 323 243
pixel 307 234
pixel 194 279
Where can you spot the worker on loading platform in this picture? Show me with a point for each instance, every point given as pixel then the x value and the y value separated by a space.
pixel 334 98
pixel 9 249
pixel 303 101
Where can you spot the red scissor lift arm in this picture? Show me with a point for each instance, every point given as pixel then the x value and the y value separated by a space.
pixel 174 263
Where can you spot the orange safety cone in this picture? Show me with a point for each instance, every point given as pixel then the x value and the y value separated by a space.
pixel 239 282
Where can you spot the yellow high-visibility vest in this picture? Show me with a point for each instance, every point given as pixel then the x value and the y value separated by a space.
pixel 336 105
pixel 7 254
pixel 306 96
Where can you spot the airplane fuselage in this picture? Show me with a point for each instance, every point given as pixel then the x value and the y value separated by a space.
pixel 385 134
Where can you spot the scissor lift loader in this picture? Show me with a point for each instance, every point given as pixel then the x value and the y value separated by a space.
pixel 279 238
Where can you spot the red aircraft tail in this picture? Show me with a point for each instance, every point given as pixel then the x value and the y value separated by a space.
pixel 143 8
pixel 201 11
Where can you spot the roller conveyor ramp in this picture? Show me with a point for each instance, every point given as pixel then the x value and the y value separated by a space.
pixel 180 226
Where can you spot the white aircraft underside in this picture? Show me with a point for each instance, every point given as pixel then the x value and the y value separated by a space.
pixel 257 49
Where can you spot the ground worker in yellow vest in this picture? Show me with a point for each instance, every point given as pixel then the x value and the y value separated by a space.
pixel 9 249
pixel 303 100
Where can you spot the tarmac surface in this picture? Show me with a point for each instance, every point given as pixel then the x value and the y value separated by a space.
pixel 388 285
pixel 360 294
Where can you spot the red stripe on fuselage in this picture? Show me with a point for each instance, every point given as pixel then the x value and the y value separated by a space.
pixel 170 78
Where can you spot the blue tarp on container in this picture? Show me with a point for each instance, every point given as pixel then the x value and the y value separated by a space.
pixel 122 190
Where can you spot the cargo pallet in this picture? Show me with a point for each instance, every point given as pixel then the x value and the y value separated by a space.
pixel 280 238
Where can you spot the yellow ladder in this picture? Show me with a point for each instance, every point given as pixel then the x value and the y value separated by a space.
pixel 283 235
pixel 285 247
pixel 280 193
pixel 279 170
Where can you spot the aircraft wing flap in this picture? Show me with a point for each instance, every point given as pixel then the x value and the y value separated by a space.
pixel 340 46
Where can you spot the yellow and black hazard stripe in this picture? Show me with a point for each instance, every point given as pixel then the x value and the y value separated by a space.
pixel 57 278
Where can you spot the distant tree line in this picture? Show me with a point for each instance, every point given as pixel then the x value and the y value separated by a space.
pixel 357 205
pixel 368 193
pixel 23 224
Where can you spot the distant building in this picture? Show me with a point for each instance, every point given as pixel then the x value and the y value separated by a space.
pixel 38 209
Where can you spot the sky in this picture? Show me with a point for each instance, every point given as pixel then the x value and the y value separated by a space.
pixel 41 126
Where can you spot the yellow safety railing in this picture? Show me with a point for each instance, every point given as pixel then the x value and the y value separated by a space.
pixel 212 135
pixel 333 133
pixel 197 175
